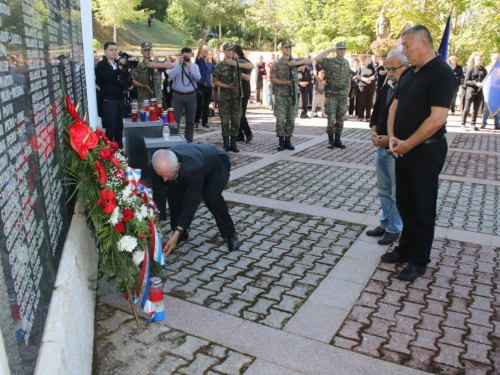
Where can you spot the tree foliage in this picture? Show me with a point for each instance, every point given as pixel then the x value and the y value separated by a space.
pixel 319 23
pixel 159 7
pixel 115 13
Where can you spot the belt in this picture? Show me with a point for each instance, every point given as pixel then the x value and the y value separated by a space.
pixel 433 140
pixel 184 93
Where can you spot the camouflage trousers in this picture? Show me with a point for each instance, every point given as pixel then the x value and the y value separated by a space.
pixel 335 109
pixel 285 114
pixel 230 116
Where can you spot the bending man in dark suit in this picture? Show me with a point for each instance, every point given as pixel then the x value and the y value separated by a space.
pixel 185 174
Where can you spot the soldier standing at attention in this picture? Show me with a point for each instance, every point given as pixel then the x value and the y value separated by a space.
pixel 227 76
pixel 338 84
pixel 284 79
pixel 140 77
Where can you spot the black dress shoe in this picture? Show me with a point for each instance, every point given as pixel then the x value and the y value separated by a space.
pixel 394 257
pixel 378 231
pixel 233 243
pixel 196 124
pixel 411 272
pixel 206 126
pixel 388 238
pixel 249 138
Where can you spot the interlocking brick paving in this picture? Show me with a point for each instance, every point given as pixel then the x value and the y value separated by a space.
pixel 467 164
pixel 283 258
pixel 355 152
pixel 468 206
pixel 121 349
pixel 341 188
pixel 445 322
pixel 477 141
pixel 238 160
pixel 262 143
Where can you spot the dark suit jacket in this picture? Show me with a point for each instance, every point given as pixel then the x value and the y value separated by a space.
pixel 380 113
pixel 199 165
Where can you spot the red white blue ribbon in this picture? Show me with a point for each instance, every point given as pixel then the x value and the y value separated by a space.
pixel 142 291
pixel 156 252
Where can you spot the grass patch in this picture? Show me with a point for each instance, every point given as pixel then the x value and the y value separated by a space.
pixel 163 36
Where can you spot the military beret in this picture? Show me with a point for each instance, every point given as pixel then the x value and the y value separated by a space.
pixel 228 46
pixel 286 43
pixel 147 45
pixel 340 45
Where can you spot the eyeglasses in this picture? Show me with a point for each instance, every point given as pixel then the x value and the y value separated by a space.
pixel 392 70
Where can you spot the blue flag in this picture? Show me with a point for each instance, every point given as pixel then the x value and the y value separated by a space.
pixel 443 47
pixel 491 90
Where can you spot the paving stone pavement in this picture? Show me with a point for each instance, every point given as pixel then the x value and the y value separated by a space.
pixel 445 322
pixel 157 349
pixel 307 293
pixel 282 260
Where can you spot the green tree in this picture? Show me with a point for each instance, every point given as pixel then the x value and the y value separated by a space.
pixel 158 6
pixel 115 13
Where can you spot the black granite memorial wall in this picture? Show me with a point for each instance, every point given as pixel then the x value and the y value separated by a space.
pixel 41 57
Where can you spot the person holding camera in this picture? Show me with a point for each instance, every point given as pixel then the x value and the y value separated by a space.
pixel 204 84
pixel 109 77
pixel 184 76
pixel 146 79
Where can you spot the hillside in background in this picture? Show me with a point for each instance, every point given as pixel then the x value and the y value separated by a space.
pixel 161 35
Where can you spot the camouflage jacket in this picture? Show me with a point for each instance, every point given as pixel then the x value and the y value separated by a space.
pixel 223 73
pixel 141 74
pixel 281 71
pixel 337 74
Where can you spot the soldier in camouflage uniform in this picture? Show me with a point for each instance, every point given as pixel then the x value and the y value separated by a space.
pixel 285 98
pixel 227 76
pixel 140 77
pixel 338 83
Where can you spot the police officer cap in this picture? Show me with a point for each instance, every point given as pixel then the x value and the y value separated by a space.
pixel 147 45
pixel 229 46
pixel 340 45
pixel 286 43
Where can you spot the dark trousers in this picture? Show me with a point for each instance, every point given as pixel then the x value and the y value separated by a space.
pixel 113 112
pixel 452 106
pixel 244 127
pixel 364 101
pixel 352 104
pixel 203 103
pixel 304 95
pixel 417 181
pixel 212 196
pixel 258 90
pixel 475 101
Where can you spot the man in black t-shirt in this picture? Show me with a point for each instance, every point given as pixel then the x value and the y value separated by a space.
pixel 417 127
pixel 261 73
pixel 474 95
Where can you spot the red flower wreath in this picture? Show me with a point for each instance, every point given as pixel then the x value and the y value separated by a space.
pixel 101 172
pixel 82 139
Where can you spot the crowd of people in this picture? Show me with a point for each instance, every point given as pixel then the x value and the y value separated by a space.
pixel 411 92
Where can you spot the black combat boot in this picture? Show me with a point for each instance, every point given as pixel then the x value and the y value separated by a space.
pixel 337 142
pixel 226 143
pixel 232 146
pixel 288 144
pixel 330 141
pixel 281 145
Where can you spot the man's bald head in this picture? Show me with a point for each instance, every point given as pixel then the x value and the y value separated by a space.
pixel 166 164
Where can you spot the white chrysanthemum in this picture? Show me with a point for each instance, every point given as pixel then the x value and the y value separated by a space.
pixel 138 257
pixel 127 192
pixel 144 210
pixel 115 216
pixel 127 243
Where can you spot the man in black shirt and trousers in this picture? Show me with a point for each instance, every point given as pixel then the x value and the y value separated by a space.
pixel 474 95
pixel 110 81
pixel 417 127
pixel 184 175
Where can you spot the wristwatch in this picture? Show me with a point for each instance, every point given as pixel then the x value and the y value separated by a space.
pixel 179 229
